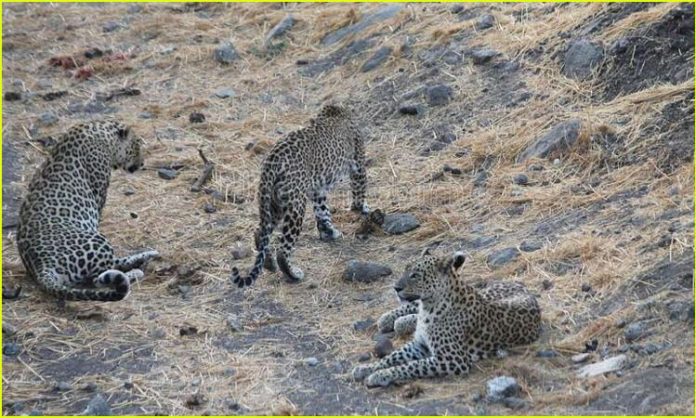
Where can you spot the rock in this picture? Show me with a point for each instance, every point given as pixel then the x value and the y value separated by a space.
pixel 581 58
pixel 239 253
pixel 197 399
pixel 502 257
pixel 145 115
pixel 482 56
pixel 409 110
pixel 681 311
pixel 187 330
pixel 48 118
pixel 363 325
pixel 311 361
pixel 514 403
pixel 581 358
pixel 196 117
pixel 167 174
pixel 485 22
pixel 369 19
pixel 97 406
pixel 365 272
pixel 438 95
pixel 62 387
pixel 635 331
pixel 399 223
pixel 11 349
pixel 8 330
pixel 279 29
pixel 225 93
pixel 546 353
pixel 89 387
pixel 521 179
pixel 157 333
pixel 502 387
pixel 225 53
pixel 611 364
pixel 383 346
pixel 233 323
pixel 559 138
pixel 530 246
pixel 535 167
pixel 364 357
pixel 452 170
pixel 111 26
pixel 586 287
pixel 12 96
pixel 209 208
pixel 457 8
pixel 376 59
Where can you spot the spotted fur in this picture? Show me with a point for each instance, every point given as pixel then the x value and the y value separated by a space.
pixel 455 322
pixel 306 164
pixel 57 236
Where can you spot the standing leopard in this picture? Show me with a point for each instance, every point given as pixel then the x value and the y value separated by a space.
pixel 305 164
pixel 57 235
pixel 455 325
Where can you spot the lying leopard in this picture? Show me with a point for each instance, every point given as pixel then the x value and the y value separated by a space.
pixel 305 164
pixel 57 235
pixel 455 323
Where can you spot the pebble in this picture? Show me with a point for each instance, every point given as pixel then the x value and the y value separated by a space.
pixel 521 179
pixel 502 257
pixel 167 174
pixel 482 56
pixel 157 333
pixel 209 208
pixel 9 330
pixel 111 26
pixel 634 331
pixel 438 95
pixel 581 358
pixel 485 22
pixel 11 349
pixel 98 406
pixel 225 53
pixel 409 110
pixel 239 253
pixel 48 118
pixel 399 223
pixel 145 115
pixel 89 387
pixel 452 170
pixel 62 387
pixel 311 361
pixel 225 93
pixel 383 346
pixel 365 272
pixel 502 387
pixel 586 287
pixel 546 284
pixel 196 117
pixel 364 357
pixel 530 246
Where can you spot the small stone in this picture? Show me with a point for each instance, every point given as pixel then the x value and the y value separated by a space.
pixel 188 330
pixel 409 110
pixel 556 161
pixel 209 208
pixel 11 349
pixel 301 62
pixel 89 387
pixel 399 223
pixel 634 331
pixel 535 167
pixel 560 138
pixel 167 174
pixel 8 330
pixel 196 117
pixel 530 246
pixel 239 253
pixel 502 387
pixel 128 385
pixel 485 22
pixel 233 323
pixel 502 257
pixel 225 93
pixel 12 96
pixel 438 95
pixel 48 118
pixel 97 406
pixel 412 391
pixel 195 400
pixel 546 354
pixel 582 58
pixel 376 59
pixel 383 346
pixel 134 215
pixel 514 403
pixel 278 30
pixel 111 26
pixel 586 287
pixel 157 333
pixel 482 56
pixel 609 365
pixel 62 387
pixel 365 272
pixel 521 179
pixel 363 325
pixel 364 357
pixel 452 170
pixel 457 8
pixel 128 191
pixel 546 284
pixel 225 53
pixel 311 361
pixel 581 358
pixel 167 50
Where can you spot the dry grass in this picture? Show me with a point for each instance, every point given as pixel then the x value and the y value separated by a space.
pixel 322 310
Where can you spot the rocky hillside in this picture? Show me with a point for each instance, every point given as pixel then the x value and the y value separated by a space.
pixel 553 143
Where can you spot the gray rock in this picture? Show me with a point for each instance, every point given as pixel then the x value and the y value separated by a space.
pixel 635 331
pixel 681 311
pixel 383 346
pixel 546 353
pixel 48 118
pixel 438 95
pixel 340 57
pixel 364 357
pixel 225 53
pixel 157 333
pixel 530 246
pixel 521 179
pixel 209 208
pixel 581 358
pixel 399 223
pixel 62 387
pixel 482 56
pixel 514 403
pixel 167 174
pixel 410 109
pixel 225 93
pixel 485 22
pixel 376 59
pixel 89 387
pixel 609 365
pixel 239 253
pixel 364 272
pixel 581 58
pixel 559 138
pixel 311 361
pixel 11 349
pixel 111 26
pixel 363 325
pixel 368 20
pixel 233 323
pixel 98 406
pixel 280 29
pixel 502 387
pixel 145 115
pixel 502 257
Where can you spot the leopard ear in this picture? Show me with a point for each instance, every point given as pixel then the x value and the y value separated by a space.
pixel 123 131
pixel 458 259
pixel 452 263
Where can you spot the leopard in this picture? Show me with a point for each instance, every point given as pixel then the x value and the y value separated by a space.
pixel 305 165
pixel 57 236
pixel 456 323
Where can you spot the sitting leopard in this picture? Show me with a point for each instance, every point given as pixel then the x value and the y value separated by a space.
pixel 306 164
pixel 57 235
pixel 456 324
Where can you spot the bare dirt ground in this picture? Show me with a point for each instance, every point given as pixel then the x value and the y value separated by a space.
pixel 454 98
